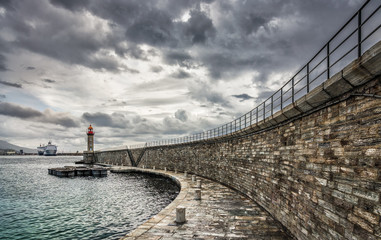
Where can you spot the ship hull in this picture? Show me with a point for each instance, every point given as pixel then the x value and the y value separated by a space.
pixel 50 153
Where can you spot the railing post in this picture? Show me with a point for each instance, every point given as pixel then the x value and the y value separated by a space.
pixel 272 104
pixel 308 77
pixel 257 116
pixel 264 110
pixel 281 98
pixel 359 34
pixel 293 89
pixel 328 67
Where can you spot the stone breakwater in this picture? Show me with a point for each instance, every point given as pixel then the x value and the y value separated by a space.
pixel 221 213
pixel 315 166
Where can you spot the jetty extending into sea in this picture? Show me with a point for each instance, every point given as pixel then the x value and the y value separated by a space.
pixel 71 171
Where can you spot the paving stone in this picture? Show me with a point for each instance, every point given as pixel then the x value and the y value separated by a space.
pixel 222 213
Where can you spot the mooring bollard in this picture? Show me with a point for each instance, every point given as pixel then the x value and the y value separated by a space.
pixel 199 183
pixel 165 169
pixel 175 170
pixel 197 194
pixel 193 178
pixel 144 166
pixel 153 167
pixel 180 215
pixel 185 174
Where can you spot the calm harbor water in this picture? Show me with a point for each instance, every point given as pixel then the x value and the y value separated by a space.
pixel 35 205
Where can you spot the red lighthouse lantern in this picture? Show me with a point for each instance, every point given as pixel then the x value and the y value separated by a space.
pixel 90 130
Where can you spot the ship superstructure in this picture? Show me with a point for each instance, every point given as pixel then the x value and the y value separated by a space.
pixel 48 150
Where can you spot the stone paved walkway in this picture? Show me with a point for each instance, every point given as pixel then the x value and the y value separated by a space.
pixel 222 213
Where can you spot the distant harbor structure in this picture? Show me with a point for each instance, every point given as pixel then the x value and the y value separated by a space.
pixel 48 150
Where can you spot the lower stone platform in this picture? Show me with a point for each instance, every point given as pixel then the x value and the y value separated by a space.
pixel 222 213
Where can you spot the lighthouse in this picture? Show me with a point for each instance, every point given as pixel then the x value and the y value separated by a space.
pixel 90 139
pixel 88 156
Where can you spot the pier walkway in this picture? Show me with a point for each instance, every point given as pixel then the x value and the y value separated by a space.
pixel 222 213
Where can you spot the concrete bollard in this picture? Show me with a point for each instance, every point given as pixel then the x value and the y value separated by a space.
pixel 185 174
pixel 180 215
pixel 153 167
pixel 193 178
pixel 144 166
pixel 165 169
pixel 197 194
pixel 199 183
pixel 175 170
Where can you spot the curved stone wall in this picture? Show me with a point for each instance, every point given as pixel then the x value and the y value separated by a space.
pixel 318 173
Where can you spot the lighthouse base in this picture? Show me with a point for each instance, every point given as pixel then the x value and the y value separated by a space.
pixel 88 157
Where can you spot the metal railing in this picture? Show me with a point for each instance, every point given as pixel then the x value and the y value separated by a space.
pixel 358 34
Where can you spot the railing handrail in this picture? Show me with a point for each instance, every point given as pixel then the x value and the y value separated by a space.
pixel 236 124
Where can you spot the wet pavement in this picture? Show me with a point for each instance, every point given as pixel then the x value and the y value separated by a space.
pixel 222 213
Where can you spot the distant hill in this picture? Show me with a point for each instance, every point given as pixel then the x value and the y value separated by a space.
pixel 6 145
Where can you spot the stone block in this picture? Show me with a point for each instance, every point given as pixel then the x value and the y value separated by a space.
pixel 303 105
pixel 336 85
pixel 366 194
pixel 363 224
pixel 271 120
pixel 371 59
pixel 279 117
pixel 290 111
pixel 356 74
pixel 317 96
pixel 370 217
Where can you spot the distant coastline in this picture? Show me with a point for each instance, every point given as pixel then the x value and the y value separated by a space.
pixel 14 153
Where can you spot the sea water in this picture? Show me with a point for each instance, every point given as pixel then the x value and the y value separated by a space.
pixel 35 205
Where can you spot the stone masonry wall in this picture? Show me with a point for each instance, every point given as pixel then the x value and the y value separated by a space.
pixel 116 157
pixel 319 174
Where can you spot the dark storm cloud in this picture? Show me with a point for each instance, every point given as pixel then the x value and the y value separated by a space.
pixel 243 97
pixel 180 58
pixel 116 120
pixel 7 4
pixel 153 28
pixel 72 5
pixel 263 36
pixel 14 110
pixel 199 27
pixel 30 68
pixel 63 36
pixel 47 80
pixel 16 85
pixel 25 113
pixel 181 74
pixel 224 65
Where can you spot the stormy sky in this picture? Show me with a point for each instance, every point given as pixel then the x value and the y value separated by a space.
pixel 148 70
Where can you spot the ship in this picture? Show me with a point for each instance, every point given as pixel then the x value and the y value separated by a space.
pixel 48 150
pixel 41 150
